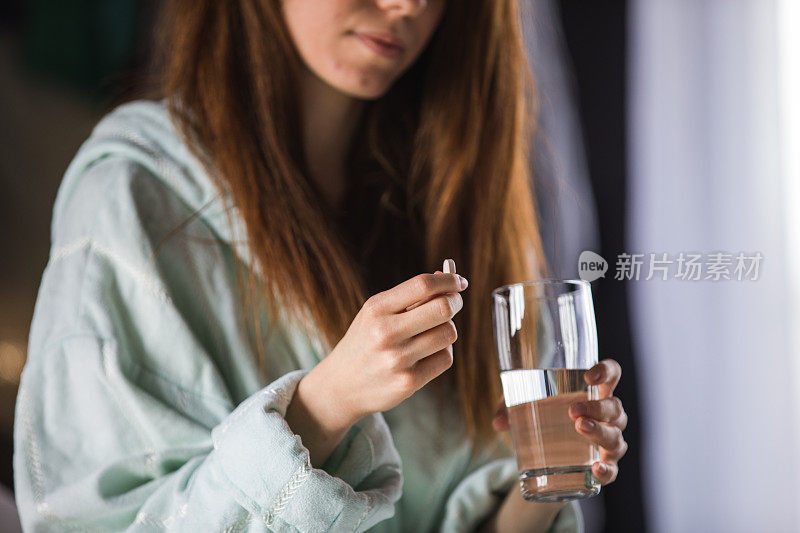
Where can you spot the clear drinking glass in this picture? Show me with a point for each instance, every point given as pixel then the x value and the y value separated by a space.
pixel 546 339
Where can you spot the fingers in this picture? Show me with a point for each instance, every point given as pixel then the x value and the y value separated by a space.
pixel 605 472
pixel 605 435
pixel 449 268
pixel 428 299
pixel 428 342
pixel 622 421
pixel 429 367
pixel 602 421
pixel 615 455
pixel 605 375
pixel 605 410
pixel 420 287
pixel 431 314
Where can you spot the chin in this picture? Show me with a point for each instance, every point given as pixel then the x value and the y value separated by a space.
pixel 365 82
pixel 368 95
pixel 364 91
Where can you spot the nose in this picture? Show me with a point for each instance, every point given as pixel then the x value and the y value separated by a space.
pixel 408 8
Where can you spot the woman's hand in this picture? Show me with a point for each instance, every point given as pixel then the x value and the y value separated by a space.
pixel 386 355
pixel 389 353
pixel 601 421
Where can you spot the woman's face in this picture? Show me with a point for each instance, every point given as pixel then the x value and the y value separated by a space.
pixel 347 43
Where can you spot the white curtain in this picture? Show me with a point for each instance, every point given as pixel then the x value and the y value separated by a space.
pixel 713 144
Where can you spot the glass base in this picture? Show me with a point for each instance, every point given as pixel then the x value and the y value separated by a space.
pixel 558 484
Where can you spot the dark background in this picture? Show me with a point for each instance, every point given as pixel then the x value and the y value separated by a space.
pixel 64 64
pixel 595 32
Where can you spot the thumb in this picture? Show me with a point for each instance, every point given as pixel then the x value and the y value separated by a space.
pixel 426 300
pixel 500 422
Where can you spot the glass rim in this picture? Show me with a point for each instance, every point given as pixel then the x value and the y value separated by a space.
pixel 542 281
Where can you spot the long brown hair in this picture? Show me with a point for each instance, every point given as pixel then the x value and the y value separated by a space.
pixel 440 169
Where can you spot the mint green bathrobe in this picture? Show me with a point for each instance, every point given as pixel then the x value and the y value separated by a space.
pixel 141 407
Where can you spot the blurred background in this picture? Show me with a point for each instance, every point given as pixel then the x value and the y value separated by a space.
pixel 665 127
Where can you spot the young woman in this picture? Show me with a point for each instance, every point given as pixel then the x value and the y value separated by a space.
pixel 236 330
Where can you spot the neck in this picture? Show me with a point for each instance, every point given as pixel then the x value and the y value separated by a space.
pixel 329 121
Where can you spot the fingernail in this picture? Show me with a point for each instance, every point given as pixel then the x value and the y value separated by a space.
pixel 587 425
pixel 462 281
pixel 594 374
pixel 602 468
pixel 578 409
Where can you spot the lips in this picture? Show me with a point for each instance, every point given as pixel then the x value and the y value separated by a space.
pixel 382 44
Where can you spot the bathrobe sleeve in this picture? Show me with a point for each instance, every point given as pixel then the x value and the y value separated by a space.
pixel 125 418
